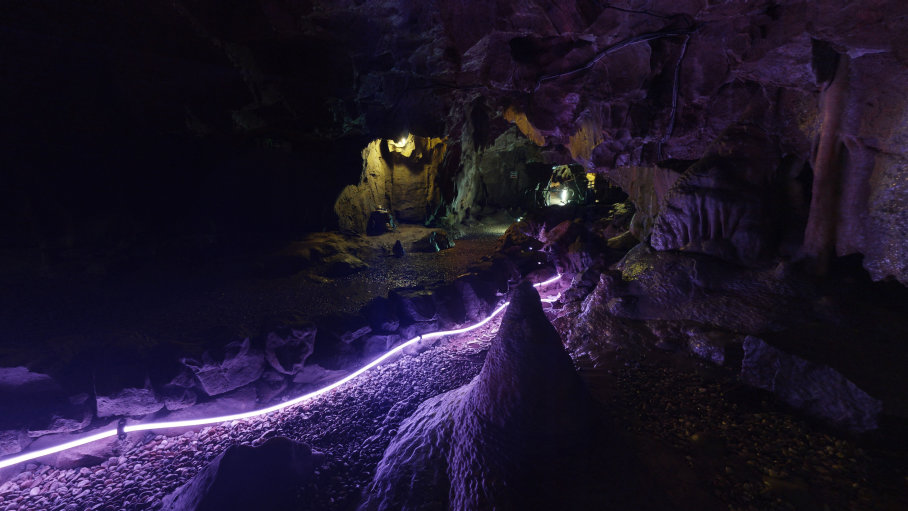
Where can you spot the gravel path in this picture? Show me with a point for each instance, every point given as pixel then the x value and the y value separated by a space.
pixel 351 426
pixel 710 442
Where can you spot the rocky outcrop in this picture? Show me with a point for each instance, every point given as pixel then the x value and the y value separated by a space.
pixel 400 177
pixel 817 389
pixel 504 440
pixel 435 241
pixel 287 353
pixel 723 204
pixel 130 401
pixel 236 365
pixel 243 477
pixel 656 285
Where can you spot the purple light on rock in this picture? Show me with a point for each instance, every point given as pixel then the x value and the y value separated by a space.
pixel 280 406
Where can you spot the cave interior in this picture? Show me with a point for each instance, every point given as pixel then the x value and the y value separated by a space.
pixel 671 239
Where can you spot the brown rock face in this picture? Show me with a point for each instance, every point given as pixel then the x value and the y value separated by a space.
pixel 503 441
pixel 398 176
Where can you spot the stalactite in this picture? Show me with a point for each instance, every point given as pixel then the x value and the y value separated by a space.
pixel 819 236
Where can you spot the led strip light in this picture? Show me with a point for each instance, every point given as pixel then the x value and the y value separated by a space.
pixel 280 406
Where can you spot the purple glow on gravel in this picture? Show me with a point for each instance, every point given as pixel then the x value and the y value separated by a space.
pixel 280 406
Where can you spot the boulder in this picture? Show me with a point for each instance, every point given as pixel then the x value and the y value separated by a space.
pixel 224 370
pixel 435 241
pixel 131 401
pixel 20 380
pixel 178 398
pixel 505 440
pixel 398 249
pixel 89 454
pixel 73 415
pixel 244 477
pixel 717 346
pixel 179 392
pixel 12 441
pixel 315 375
pixel 270 386
pixel 381 314
pixel 341 265
pixel 286 352
pixel 239 400
pixel 413 305
pixel 814 388
pixel 657 285
pixel 376 345
pixel 477 295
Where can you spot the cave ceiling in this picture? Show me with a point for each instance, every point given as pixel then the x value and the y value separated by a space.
pixel 605 84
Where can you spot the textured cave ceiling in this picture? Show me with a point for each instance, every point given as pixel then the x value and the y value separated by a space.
pixel 203 114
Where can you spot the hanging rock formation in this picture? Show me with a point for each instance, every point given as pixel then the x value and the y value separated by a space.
pixel 722 205
pixel 503 440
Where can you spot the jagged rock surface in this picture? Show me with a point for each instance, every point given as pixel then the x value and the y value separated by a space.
pixel 723 204
pixel 817 389
pixel 243 477
pixel 501 441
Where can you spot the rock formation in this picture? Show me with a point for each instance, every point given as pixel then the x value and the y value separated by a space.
pixel 400 177
pixel 506 440
pixel 723 204
pixel 243 477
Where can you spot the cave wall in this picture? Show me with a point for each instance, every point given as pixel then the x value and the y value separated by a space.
pixel 608 85
pixel 400 178
pixel 638 84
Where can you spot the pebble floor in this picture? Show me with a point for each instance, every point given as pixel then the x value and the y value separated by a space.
pixel 709 442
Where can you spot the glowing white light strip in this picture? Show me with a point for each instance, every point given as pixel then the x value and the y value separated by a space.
pixel 280 406
pixel 57 448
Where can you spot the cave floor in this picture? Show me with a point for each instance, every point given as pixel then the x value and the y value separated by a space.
pixel 190 296
pixel 701 439
pixel 719 444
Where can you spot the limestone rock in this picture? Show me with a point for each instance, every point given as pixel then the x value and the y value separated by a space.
pixel 20 380
pixel 435 241
pixel 723 204
pixel 501 441
pixel 656 285
pixel 341 265
pixel 236 365
pixel 398 249
pixel 286 352
pixel 73 416
pixel 817 389
pixel 413 305
pixel 130 401
pixel 381 315
pixel 244 477
pixel 12 441
pixel 240 400
pixel 398 179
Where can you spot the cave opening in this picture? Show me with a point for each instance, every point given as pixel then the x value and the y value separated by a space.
pixel 454 255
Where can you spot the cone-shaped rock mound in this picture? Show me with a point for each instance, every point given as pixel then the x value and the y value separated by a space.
pixel 503 441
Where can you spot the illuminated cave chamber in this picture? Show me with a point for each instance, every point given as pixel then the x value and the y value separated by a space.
pixel 400 177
